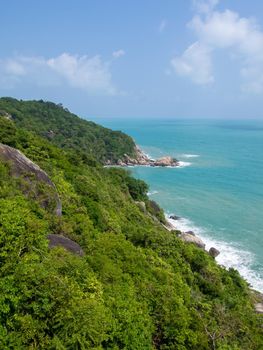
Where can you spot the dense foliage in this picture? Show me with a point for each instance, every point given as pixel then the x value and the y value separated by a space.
pixel 66 130
pixel 137 286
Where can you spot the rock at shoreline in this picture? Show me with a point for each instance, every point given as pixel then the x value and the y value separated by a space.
pixel 168 226
pixel 214 252
pixel 190 233
pixel 166 161
pixel 142 159
pixel 174 217
pixel 189 238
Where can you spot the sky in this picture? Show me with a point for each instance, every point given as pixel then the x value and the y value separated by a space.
pixel 136 58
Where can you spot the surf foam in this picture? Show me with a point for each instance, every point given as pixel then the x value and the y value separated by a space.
pixel 231 255
pixel 151 193
pixel 182 164
pixel 185 155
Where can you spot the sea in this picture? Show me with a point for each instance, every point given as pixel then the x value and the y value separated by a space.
pixel 217 191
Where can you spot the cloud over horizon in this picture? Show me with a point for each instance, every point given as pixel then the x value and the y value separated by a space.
pixel 226 30
pixel 91 74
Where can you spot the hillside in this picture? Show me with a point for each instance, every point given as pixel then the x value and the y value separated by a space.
pixel 67 131
pixel 103 273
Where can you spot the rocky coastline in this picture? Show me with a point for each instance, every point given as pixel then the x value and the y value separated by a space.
pixel 189 236
pixel 142 159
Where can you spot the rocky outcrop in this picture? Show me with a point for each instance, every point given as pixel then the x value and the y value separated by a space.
pixel 190 233
pixel 142 206
pixel 56 240
pixel 189 238
pixel 5 115
pixel 24 168
pixel 259 308
pixel 258 301
pixel 214 252
pixel 174 217
pixel 142 159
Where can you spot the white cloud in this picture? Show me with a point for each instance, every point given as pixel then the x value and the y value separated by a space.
pixel 195 63
pixel 83 72
pixel 15 68
pixel 118 53
pixel 240 37
pixel 162 25
pixel 204 6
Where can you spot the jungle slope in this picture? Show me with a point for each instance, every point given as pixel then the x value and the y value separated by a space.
pixel 66 130
pixel 135 285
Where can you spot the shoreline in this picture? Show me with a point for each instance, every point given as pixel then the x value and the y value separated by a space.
pixel 226 254
pixel 230 256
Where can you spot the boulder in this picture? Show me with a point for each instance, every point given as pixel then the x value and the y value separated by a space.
pixel 166 161
pixel 192 239
pixel 142 206
pixel 259 308
pixel 214 252
pixel 142 159
pixel 56 240
pixel 168 226
pixel 174 217
pixel 190 233
pixel 21 166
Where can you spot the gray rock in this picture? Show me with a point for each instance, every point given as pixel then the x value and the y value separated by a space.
pixel 190 233
pixel 21 166
pixel 214 252
pixel 142 159
pixel 174 217
pixel 259 308
pixel 168 226
pixel 142 206
pixel 166 161
pixel 56 240
pixel 192 239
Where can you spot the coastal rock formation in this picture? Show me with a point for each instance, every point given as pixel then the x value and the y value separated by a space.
pixel 168 226
pixel 189 238
pixel 23 167
pixel 142 159
pixel 56 240
pixel 174 217
pixel 214 252
pixel 190 233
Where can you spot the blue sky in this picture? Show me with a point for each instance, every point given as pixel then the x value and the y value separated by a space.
pixel 136 58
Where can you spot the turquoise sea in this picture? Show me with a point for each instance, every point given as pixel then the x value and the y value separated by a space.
pixel 218 189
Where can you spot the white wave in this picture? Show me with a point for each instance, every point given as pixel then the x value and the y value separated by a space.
pixel 182 164
pixel 231 255
pixel 185 155
pixel 151 193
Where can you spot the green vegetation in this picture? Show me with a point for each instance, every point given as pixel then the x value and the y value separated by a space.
pixel 137 286
pixel 66 130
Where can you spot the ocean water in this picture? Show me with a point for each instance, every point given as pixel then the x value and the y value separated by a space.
pixel 218 189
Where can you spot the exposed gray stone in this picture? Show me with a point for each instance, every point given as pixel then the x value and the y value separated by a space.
pixel 56 240
pixel 142 206
pixel 214 252
pixel 192 239
pixel 23 166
